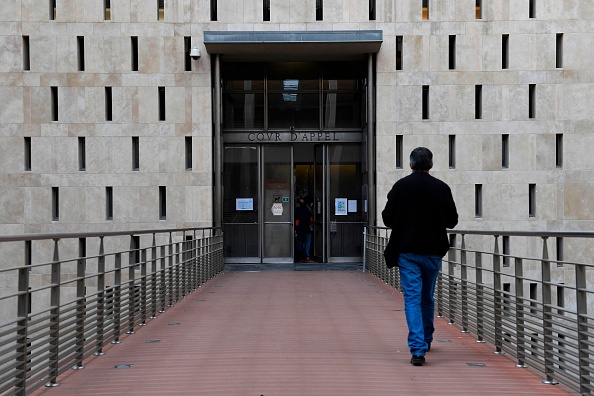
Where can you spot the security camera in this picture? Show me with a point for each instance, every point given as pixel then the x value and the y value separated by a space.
pixel 195 53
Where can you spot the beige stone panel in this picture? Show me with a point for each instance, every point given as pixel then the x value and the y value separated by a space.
pixel 388 107
pixel 71 104
pixel 120 150
pixel 150 151
pixel 12 159
pixel 31 10
pixel 175 104
pixel 492 102
pixel 491 52
pixel 202 153
pixel 199 204
pixel 120 11
pixel 11 105
pixel 438 103
pixel 148 104
pixel 462 102
pixel 335 10
pixel 358 10
pixel 490 153
pixel 201 105
pixel 38 205
pixel 408 103
pixel 468 52
pixel 201 11
pixel 144 11
pixel 412 53
pixel 12 54
pixel 386 58
pixel 576 50
pixel 178 11
pixel 575 102
pixel 231 11
pixel 300 11
pixel 173 55
pixel 578 201
pixel 149 54
pixel 515 98
pixel 43 54
pixel 386 153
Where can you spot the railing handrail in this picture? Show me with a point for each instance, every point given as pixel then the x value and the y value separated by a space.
pixel 549 234
pixel 95 234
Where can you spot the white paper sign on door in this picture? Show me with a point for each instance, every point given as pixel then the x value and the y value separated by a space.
pixel 277 209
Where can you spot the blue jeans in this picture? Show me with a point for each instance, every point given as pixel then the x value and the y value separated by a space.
pixel 418 274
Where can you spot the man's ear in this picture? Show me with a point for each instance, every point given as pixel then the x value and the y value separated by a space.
pixel 409 164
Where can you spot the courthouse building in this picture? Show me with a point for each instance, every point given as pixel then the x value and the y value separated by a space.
pixel 151 114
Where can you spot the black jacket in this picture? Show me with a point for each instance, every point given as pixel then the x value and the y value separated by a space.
pixel 419 209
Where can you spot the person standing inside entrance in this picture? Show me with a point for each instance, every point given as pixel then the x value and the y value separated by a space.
pixel 303 223
pixel 419 209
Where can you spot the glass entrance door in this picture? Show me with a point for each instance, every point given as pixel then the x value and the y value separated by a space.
pixel 338 204
pixel 277 210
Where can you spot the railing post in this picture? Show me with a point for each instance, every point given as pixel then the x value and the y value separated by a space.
pixel 480 297
pixel 143 288
pixel 547 315
pixel 463 286
pixel 81 265
pixel 100 300
pixel 131 289
pixel 497 298
pixel 177 271
pixel 22 341
pixel 154 278
pixel 117 298
pixel 583 330
pixel 163 280
pixel 452 289
pixel 170 273
pixel 520 329
pixel 54 328
pixel 364 246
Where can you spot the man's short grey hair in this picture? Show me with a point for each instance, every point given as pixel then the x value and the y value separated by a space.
pixel 421 159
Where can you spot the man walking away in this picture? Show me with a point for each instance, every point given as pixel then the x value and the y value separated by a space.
pixel 419 209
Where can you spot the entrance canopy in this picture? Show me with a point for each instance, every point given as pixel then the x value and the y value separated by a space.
pixel 293 45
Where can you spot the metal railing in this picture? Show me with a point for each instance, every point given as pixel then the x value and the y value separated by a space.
pixel 59 310
pixel 536 309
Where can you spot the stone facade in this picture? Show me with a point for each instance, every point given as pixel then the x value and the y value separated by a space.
pixel 560 101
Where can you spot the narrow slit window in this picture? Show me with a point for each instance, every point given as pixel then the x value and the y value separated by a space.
pixel 82 154
pixel 161 10
pixel 82 247
pixel 109 203
pixel 452 53
pixel 478 102
pixel 108 104
pixel 532 101
pixel 531 9
pixel 161 103
pixel 425 6
pixel 399 152
pixel 162 203
pixel 559 150
pixel 398 52
pixel 55 203
pixel 319 10
pixel 559 51
pixel 505 250
pixel 266 10
pixel 213 10
pixel 189 153
pixel 506 295
pixel 135 153
pixel 26 54
pixel 54 103
pixel 452 151
pixel 187 49
pixel 27 153
pixel 80 50
pixel 425 103
pixel 134 250
pixel 505 151
pixel 559 244
pixel 505 51
pixel 478 200
pixel 479 9
pixel 134 51
pixel 532 200
pixel 52 10
pixel 372 10
pixel 107 10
